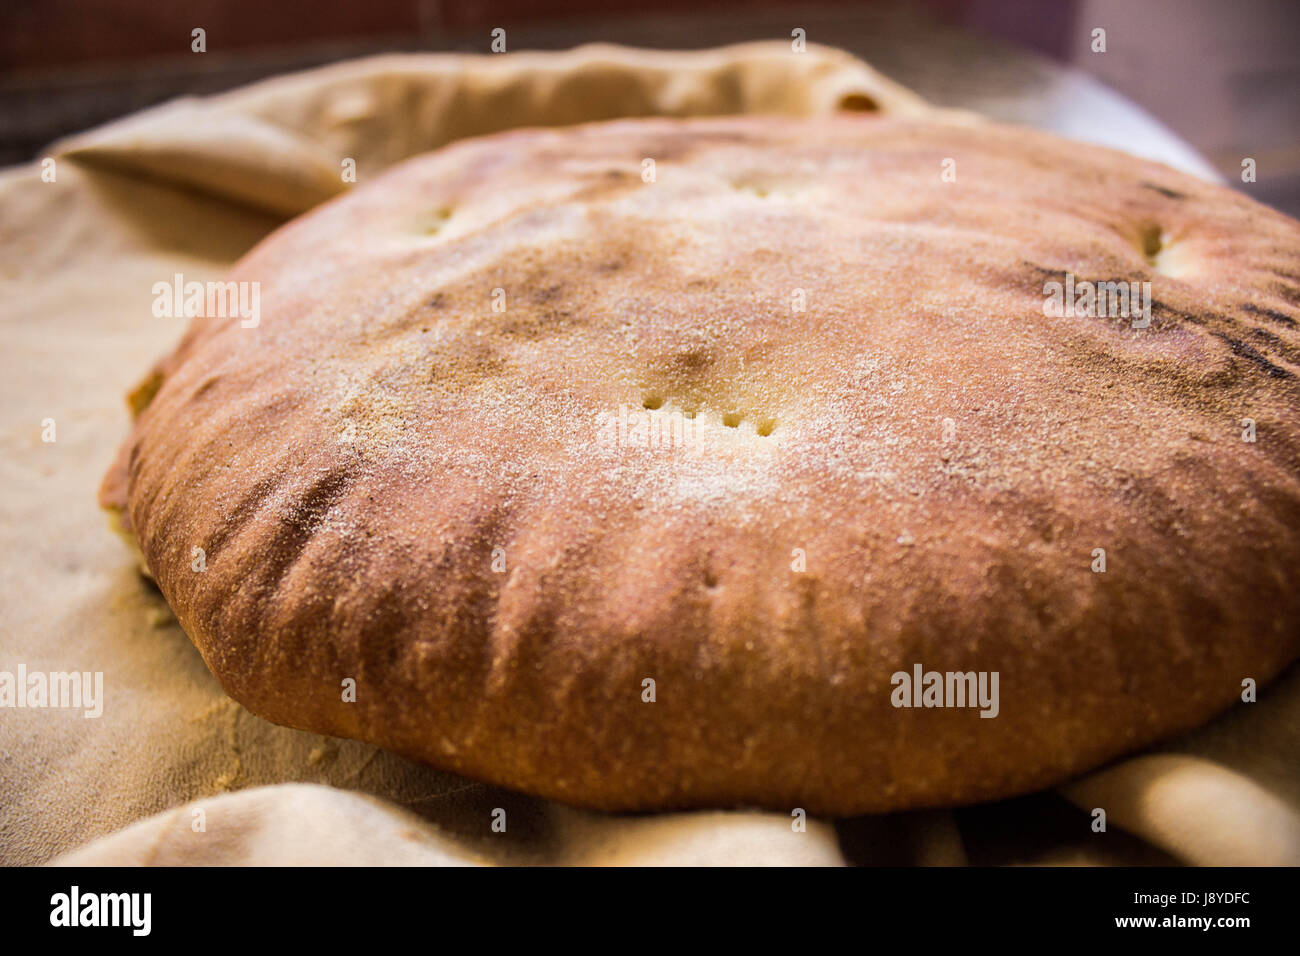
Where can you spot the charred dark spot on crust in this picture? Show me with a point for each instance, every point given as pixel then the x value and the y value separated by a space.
pixel 1269 314
pixel 1169 193
pixel 613 265
pixel 437 301
pixel 1252 354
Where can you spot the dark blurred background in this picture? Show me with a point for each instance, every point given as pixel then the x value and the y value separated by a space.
pixel 1224 75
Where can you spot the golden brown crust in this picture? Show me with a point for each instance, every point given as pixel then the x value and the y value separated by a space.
pixel 943 456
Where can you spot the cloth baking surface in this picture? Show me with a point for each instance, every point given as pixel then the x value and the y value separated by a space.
pixel 175 772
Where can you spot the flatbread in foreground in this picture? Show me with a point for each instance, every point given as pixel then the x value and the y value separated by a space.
pixel 642 484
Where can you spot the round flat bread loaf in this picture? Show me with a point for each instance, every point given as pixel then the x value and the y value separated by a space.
pixel 745 461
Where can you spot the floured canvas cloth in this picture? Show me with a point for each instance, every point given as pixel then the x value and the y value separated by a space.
pixel 174 772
